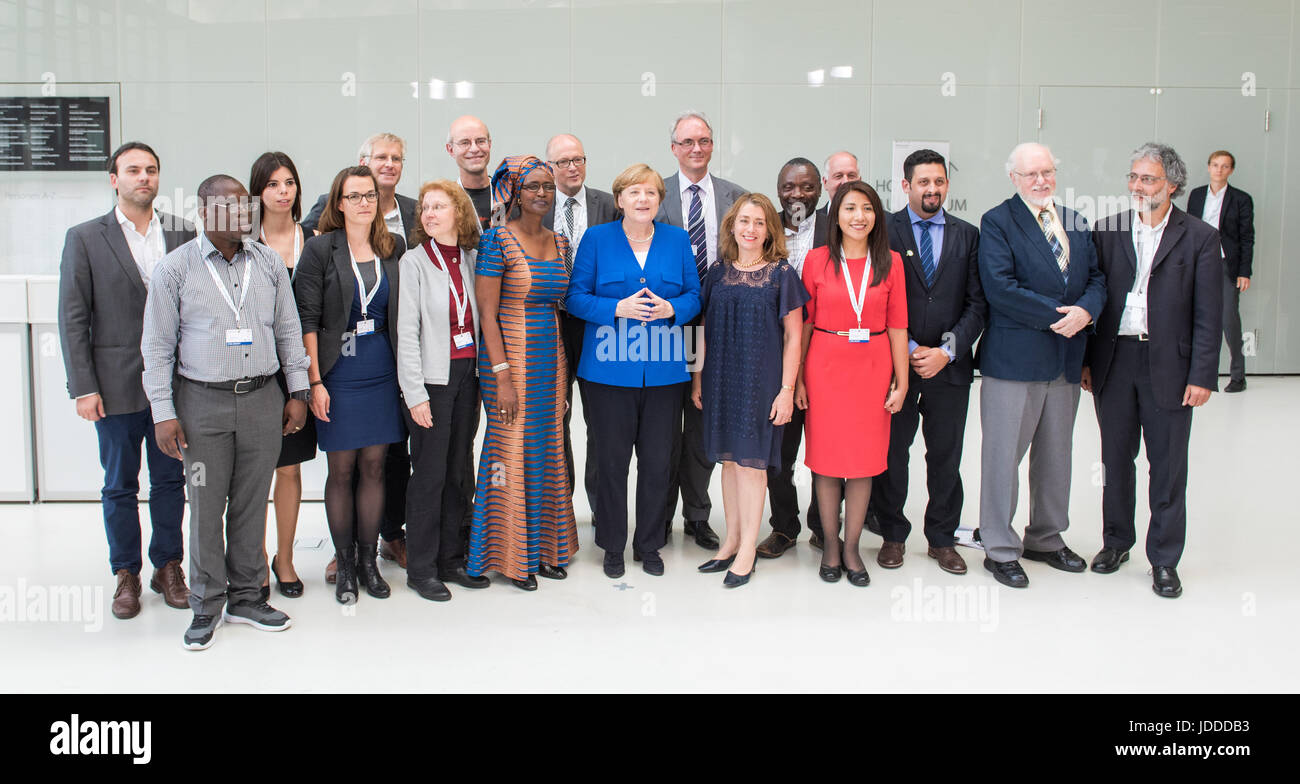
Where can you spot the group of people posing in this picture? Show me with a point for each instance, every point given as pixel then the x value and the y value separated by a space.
pixel 702 325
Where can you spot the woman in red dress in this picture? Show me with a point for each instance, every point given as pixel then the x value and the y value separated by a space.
pixel 854 374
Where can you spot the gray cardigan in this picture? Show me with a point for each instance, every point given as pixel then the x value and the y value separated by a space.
pixel 424 321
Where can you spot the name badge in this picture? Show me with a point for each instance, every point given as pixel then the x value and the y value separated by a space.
pixel 366 327
pixel 239 337
pixel 1136 300
pixel 462 339
pixel 859 335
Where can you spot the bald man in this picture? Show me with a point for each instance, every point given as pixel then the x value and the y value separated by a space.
pixel 470 145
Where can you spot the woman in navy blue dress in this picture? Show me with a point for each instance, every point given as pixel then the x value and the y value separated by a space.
pixel 346 287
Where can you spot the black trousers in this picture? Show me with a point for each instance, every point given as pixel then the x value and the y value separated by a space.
pixel 624 419
pixel 690 470
pixel 397 473
pixel 435 499
pixel 781 493
pixel 1126 410
pixel 572 329
pixel 940 410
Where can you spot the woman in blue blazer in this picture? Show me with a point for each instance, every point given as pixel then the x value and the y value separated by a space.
pixel 634 282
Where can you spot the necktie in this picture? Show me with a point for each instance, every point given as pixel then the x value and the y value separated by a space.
pixel 1058 250
pixel 927 253
pixel 695 228
pixel 568 222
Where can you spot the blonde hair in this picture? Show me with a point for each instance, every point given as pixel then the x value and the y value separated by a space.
pixel 466 219
pixel 368 146
pixel 773 245
pixel 638 174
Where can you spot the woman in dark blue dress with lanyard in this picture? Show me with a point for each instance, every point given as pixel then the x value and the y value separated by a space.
pixel 346 287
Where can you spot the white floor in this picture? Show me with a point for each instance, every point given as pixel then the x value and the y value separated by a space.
pixel 913 629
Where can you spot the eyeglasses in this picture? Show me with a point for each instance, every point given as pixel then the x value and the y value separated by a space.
pixel 1046 174
pixel 580 160
pixel 355 198
pixel 536 187
pixel 704 144
pixel 1145 179
pixel 465 144
pixel 386 158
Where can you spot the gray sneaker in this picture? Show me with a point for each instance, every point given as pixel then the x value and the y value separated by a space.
pixel 199 636
pixel 258 614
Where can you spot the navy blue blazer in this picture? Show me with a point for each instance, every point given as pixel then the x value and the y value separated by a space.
pixel 623 352
pixel 1024 287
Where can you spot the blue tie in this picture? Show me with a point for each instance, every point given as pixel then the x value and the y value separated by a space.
pixel 695 228
pixel 927 253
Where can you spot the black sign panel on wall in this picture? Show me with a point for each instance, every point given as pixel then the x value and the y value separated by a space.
pixel 54 134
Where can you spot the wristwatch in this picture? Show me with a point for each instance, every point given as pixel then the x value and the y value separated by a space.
pixel 303 394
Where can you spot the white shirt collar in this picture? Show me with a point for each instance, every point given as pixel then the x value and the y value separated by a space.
pixel 580 196
pixel 705 183
pixel 125 221
pixel 1156 229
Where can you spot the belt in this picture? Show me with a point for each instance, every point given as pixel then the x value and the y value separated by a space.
pixel 240 387
pixel 844 333
pixel 1143 338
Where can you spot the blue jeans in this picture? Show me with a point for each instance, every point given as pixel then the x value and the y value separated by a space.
pixel 119 453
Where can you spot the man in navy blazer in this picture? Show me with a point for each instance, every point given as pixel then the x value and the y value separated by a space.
pixel 1040 276
pixel 945 316
pixel 1153 358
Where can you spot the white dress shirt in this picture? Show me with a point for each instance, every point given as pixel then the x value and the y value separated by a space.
pixel 1146 241
pixel 1213 205
pixel 579 217
pixel 394 222
pixel 148 248
pixel 710 212
pixel 799 241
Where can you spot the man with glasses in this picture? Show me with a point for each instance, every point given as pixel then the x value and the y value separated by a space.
pixel 385 154
pixel 1040 276
pixel 1164 298
pixel 470 145
pixel 696 201
pixel 577 208
pixel 219 323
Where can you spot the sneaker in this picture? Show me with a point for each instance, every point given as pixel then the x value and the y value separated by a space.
pixel 259 615
pixel 199 636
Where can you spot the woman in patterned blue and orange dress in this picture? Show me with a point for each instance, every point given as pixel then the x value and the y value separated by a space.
pixel 523 513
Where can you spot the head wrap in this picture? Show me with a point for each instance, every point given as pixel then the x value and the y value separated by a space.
pixel 510 174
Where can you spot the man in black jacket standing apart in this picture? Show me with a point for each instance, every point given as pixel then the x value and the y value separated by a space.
pixel 945 316
pixel 1153 358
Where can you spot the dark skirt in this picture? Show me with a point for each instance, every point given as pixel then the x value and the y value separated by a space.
pixel 297 447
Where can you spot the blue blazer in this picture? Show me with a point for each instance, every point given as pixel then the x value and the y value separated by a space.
pixel 1024 287
pixel 622 352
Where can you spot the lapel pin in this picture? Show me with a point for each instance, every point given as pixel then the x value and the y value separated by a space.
pixel 909 253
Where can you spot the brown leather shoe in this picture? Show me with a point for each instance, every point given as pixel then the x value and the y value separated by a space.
pixel 891 555
pixel 775 545
pixel 170 582
pixel 949 559
pixel 332 571
pixel 394 551
pixel 126 599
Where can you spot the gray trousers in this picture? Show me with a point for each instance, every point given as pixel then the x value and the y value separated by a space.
pixel 1016 416
pixel 234 443
pixel 1232 328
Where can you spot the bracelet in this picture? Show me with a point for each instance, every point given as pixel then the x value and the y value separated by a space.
pixel 318 383
pixel 501 367
pixel 785 388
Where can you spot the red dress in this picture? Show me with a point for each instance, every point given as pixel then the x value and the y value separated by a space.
pixel 846 431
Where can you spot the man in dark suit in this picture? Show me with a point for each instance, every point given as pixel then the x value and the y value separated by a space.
pixel 696 201
pixel 1232 212
pixel 945 316
pixel 1039 271
pixel 577 208
pixel 103 285
pixel 1153 358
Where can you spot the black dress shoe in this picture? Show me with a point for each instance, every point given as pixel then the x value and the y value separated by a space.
pixel 291 589
pixel 717 565
pixel 1009 573
pixel 733 580
pixel 551 572
pixel 652 564
pixel 529 583
pixel 1236 386
pixel 1064 559
pixel 704 535
pixel 430 588
pixel 1165 582
pixel 613 564
pixel 463 578
pixel 1108 560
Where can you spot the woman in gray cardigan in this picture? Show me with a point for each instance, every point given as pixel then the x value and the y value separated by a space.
pixel 437 346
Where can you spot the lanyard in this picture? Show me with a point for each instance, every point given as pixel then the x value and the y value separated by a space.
pixel 462 302
pixel 857 302
pixel 366 297
pixel 297 245
pixel 221 287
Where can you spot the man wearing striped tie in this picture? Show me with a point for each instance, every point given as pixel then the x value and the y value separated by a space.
pixel 1040 276
pixel 696 201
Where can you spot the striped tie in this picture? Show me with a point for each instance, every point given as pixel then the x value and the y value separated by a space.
pixel 1058 250
pixel 695 228
pixel 571 249
pixel 927 253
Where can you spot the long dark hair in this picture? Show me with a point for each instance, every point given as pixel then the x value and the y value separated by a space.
pixel 266 165
pixel 877 238
pixel 381 241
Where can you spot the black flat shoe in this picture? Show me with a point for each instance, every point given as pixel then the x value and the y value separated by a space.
pixel 704 535
pixel 1064 559
pixel 1009 573
pixel 830 574
pixel 733 580
pixel 1108 560
pixel 430 588
pixel 860 579
pixel 291 589
pixel 717 565
pixel 463 578
pixel 613 564
pixel 551 572
pixel 1165 582
pixel 651 564
pixel 527 584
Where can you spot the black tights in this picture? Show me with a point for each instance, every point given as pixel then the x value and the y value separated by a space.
pixel 355 519
pixel 857 492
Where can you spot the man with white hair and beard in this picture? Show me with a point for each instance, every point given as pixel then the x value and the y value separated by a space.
pixel 1040 276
